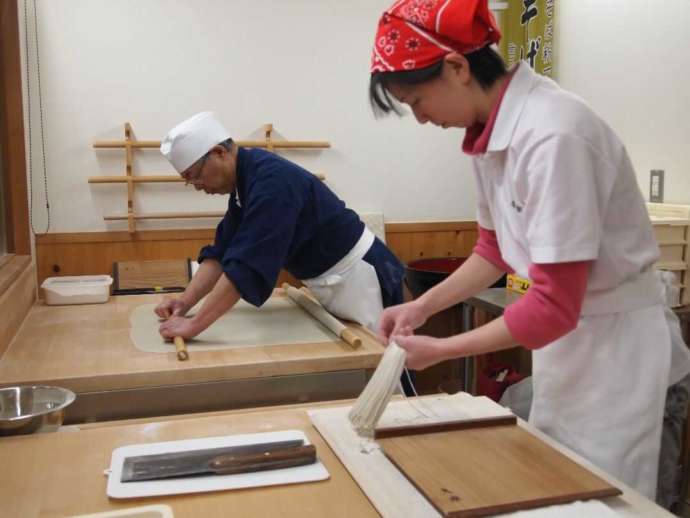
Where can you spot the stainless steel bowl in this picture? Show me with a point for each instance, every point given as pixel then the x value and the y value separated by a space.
pixel 30 409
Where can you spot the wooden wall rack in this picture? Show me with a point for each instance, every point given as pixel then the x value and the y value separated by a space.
pixel 130 143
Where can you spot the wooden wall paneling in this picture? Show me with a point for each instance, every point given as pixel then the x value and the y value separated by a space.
pixel 94 252
pixel 124 237
pixel 12 152
pixel 98 258
pixel 410 241
pixel 465 242
pixel 17 297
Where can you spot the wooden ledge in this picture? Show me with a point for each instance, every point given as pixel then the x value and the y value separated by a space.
pixel 17 294
pixel 11 266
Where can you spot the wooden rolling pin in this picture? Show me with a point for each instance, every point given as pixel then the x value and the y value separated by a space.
pixel 180 346
pixel 319 313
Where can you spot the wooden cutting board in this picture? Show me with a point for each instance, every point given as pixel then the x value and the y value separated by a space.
pixel 487 470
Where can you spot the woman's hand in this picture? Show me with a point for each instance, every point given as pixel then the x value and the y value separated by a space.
pixel 171 307
pixel 422 351
pixel 401 320
pixel 180 326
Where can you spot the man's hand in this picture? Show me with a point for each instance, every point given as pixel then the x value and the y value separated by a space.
pixel 179 326
pixel 171 307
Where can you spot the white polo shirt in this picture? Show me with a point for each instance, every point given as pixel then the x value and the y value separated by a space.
pixel 557 185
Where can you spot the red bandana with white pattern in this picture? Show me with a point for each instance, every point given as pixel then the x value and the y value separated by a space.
pixel 414 34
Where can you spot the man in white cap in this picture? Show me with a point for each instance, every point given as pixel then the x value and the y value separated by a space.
pixel 279 216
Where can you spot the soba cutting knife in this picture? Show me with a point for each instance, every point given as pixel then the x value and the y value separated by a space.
pixel 220 461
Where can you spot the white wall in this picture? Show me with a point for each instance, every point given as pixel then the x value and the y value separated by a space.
pixel 300 64
pixel 630 59
pixel 303 65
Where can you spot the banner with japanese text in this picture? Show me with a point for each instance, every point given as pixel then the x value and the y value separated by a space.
pixel 528 27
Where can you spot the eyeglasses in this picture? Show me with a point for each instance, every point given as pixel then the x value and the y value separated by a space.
pixel 193 178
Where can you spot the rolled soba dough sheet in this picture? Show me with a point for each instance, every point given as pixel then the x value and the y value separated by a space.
pixel 279 321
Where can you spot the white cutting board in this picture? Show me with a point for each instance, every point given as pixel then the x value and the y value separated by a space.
pixel 200 484
pixel 147 511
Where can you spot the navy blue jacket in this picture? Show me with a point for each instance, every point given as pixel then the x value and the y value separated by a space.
pixel 282 216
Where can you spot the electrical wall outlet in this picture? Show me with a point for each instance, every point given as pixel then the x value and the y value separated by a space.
pixel 656 186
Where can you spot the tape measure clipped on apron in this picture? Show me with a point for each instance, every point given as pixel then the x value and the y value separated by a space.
pixel 517 284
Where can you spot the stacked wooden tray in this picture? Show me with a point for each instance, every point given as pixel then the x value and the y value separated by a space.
pixel 672 230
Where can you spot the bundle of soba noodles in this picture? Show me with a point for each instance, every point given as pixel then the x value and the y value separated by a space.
pixel 371 403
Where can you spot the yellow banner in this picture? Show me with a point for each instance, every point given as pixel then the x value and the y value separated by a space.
pixel 527 27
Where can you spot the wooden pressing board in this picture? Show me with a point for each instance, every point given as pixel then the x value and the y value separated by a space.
pixel 393 494
pixel 141 275
pixel 485 469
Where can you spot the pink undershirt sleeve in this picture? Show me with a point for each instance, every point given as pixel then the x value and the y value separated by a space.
pixel 487 247
pixel 551 307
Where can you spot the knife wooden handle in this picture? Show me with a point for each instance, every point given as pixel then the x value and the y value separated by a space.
pixel 276 459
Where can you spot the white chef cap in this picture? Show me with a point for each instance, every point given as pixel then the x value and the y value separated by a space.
pixel 191 139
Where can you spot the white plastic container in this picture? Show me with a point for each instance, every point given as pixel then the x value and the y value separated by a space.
pixel 80 289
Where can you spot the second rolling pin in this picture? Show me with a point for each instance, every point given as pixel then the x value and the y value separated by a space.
pixel 319 313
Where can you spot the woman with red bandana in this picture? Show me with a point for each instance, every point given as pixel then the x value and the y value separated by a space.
pixel 558 203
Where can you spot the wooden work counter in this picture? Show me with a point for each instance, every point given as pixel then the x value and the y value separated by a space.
pixel 61 474
pixel 87 348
